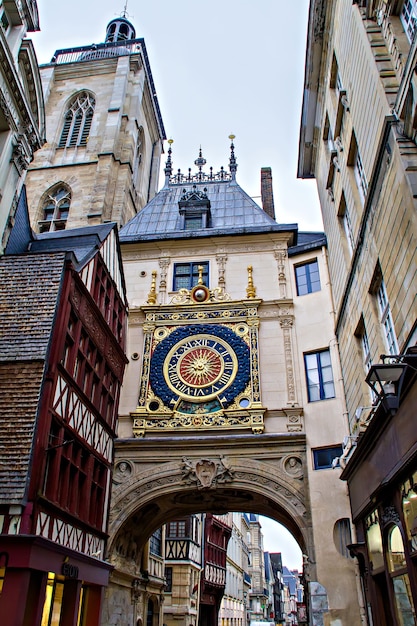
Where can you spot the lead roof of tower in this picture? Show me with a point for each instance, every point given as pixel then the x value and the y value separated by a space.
pixel 232 210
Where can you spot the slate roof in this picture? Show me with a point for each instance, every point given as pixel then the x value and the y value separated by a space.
pixel 308 241
pixel 29 289
pixel 29 294
pixel 20 385
pixel 82 242
pixel 233 212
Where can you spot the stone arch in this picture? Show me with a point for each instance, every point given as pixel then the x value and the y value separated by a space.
pixel 146 498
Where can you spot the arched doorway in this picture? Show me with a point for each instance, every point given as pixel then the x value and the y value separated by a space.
pixel 153 487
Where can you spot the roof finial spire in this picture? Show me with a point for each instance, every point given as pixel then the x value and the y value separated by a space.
pixel 200 161
pixel 124 12
pixel 232 160
pixel 168 166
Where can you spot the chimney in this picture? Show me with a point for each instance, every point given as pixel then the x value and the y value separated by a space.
pixel 267 194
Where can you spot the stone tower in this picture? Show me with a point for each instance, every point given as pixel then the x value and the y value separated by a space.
pixel 104 134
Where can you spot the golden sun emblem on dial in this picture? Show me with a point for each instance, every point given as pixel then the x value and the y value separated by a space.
pixel 200 366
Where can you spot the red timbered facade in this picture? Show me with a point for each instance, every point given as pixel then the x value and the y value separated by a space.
pixel 63 322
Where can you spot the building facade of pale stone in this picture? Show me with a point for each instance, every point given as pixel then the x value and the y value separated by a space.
pixel 22 116
pixel 234 607
pixel 358 139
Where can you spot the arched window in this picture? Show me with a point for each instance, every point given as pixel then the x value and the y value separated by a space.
pixel 77 122
pixel 150 613
pixel 55 209
pixel 342 536
pixel 397 567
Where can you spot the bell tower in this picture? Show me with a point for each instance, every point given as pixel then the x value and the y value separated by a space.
pixel 104 136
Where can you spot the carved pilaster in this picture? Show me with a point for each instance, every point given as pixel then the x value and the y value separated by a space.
pixel 148 330
pixel 286 320
pixel 164 263
pixel 221 264
pixel 281 257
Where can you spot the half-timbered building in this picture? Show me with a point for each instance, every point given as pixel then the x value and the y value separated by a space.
pixel 62 334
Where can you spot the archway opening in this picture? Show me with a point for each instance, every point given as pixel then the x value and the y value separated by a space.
pixel 210 566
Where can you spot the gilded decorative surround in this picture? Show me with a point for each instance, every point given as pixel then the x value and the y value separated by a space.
pixel 200 365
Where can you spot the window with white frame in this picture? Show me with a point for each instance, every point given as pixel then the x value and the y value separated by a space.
pixel 77 121
pixel 319 374
pixel 386 319
pixel 344 216
pixel 355 160
pixel 366 352
pixel 360 176
pixel 409 18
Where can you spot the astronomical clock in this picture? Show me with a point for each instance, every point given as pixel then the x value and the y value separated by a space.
pixel 200 365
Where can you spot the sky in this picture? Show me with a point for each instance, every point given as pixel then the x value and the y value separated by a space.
pixel 220 67
pixel 278 539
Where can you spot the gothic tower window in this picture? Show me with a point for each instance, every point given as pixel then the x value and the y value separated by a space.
pixel 55 209
pixel 77 121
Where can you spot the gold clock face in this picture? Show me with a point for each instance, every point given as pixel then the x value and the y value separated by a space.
pixel 200 367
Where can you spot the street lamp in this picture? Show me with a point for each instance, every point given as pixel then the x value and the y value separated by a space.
pixel 386 381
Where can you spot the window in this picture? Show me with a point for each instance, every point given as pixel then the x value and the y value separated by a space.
pixel 355 160
pixel 77 122
pixel 55 209
pixel 366 350
pixel 52 607
pixel 328 135
pixel 360 176
pixel 409 18
pixel 4 20
pixel 344 216
pixel 342 536
pixel 3 564
pixel 168 579
pixel 186 275
pixel 193 222
pixel 323 457
pixel 319 376
pixel 155 542
pixel 307 278
pixel 397 567
pixel 386 320
pixel 177 530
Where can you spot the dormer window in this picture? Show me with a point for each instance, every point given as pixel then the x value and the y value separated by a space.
pixel 194 209
pixel 193 222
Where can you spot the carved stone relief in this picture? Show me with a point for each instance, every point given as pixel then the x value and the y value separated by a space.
pixel 206 473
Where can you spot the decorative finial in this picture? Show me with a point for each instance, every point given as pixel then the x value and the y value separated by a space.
pixel 232 161
pixel 124 12
pixel 152 293
pixel 250 289
pixel 200 275
pixel 201 161
pixel 168 166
